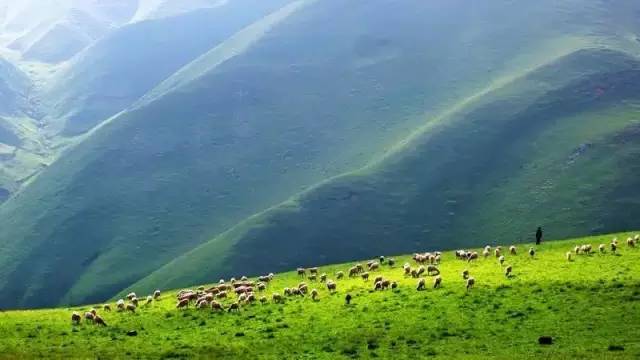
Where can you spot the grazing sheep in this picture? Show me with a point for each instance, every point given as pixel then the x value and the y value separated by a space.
pixel 203 304
pixel 507 271
pixel 377 285
pixel 470 283
pixel 577 250
pixel 242 297
pixel 314 294
pixel 331 286
pixel 93 311
pixel 353 271
pixel 432 270
pixel 302 272
pixel 312 277
pixel 89 316
pixel 407 269
pixel 374 266
pixel 394 285
pixel 465 274
pixel 221 295
pixel 347 299
pixel 497 252
pixel 120 305
pixel 486 253
pixel 414 273
pixel 501 259
pixel 134 301
pixel 216 306
pixel 378 278
pixel 339 275
pixel 98 320
pixel 631 242
pixel 277 298
pixel 131 295
pixel 323 277
pixel 184 303
pixel 75 318
pixel 602 248
pixel 244 278
pixel 232 280
pixel 487 248
pixel 532 252
pixel 286 291
pixel 391 262
pixel 421 284
pixel 263 299
pixel 437 259
pixel 251 298
pixel 313 270
pixel 614 247
pixel 200 288
pixel 586 248
pixel 156 294
pixel 221 281
pixel 303 288
pixel 234 307
pixel 420 271
pixel 437 282
pixel 512 250
pixel 106 307
pixel 296 291
pixel 261 286
pixel 472 256
pixel 381 259
pixel 384 284
pixel 365 276
pixel 568 255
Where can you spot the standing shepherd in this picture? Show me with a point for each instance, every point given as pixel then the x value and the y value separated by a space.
pixel 538 235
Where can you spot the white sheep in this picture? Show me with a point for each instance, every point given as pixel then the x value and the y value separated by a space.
pixel 602 248
pixel 532 252
pixel 501 259
pixel 513 250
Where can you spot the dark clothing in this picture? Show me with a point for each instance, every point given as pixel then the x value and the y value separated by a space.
pixel 538 236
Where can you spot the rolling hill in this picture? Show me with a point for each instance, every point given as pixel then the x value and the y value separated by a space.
pixel 588 307
pixel 397 127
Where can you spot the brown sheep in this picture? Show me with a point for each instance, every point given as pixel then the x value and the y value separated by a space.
pixel 184 303
pixel 437 282
pixel 89 316
pixel 414 273
pixel 378 278
pixel 216 306
pixel 331 286
pixel 374 266
pixel 99 320
pixel 470 283
pixel 353 271
pixel 323 277
pixel 614 247
pixel 365 276
pixel 631 242
pixel 221 295
pixel 286 291
pixel 314 294
pixel 106 307
pixel 421 284
pixel 568 255
pixel 432 270
pixel 507 271
pixel 465 274
pixel 263 299
pixel 75 318
pixel 385 284
pixel 339 275
pixel 472 256
pixel 234 307
pixel 277 298
pixel 394 285
pixel 420 271
pixel 407 269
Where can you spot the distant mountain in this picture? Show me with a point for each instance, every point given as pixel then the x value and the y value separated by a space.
pixel 272 134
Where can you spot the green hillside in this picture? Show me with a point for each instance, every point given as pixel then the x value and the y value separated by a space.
pixel 546 137
pixel 106 78
pixel 588 306
pixel 394 128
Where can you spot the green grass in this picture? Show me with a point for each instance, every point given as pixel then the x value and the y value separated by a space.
pixel 590 306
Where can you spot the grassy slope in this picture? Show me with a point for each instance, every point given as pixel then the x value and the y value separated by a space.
pixel 528 133
pixel 586 305
pixel 106 78
pixel 203 157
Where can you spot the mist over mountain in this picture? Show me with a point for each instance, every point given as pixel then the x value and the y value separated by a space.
pixel 147 143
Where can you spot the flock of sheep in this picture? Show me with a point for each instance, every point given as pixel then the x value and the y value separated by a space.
pixel 243 292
